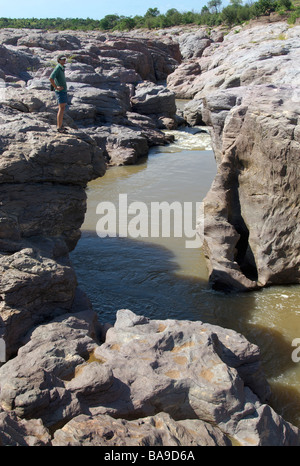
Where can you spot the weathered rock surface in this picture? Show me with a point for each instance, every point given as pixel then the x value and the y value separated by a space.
pixel 102 73
pixel 43 364
pixel 161 429
pixel 156 101
pixel 193 45
pixel 32 152
pixel 151 382
pixel 252 212
pixel 246 89
pixel 71 380
pixel 248 55
pixel 15 432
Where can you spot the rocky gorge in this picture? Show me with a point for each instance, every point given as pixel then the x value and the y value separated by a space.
pixel 68 378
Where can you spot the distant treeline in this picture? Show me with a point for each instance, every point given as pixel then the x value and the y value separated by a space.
pixel 211 15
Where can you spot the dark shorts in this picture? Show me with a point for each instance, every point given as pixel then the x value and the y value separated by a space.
pixel 61 97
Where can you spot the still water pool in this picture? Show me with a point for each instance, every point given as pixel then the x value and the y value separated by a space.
pixel 161 278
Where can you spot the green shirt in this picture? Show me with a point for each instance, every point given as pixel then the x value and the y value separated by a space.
pixel 58 74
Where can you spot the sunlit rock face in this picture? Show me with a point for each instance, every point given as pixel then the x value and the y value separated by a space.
pixel 191 384
pixel 252 214
pixel 187 383
pixel 246 89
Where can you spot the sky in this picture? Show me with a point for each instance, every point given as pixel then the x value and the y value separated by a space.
pixel 95 9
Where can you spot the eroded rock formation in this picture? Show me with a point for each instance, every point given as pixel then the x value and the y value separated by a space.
pixel 252 209
pixel 246 89
pixel 43 201
pixel 103 73
pixel 141 381
pixel 163 382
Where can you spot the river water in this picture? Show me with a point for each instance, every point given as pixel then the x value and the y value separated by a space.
pixel 160 277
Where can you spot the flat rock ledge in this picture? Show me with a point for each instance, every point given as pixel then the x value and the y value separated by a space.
pixel 115 89
pixel 141 382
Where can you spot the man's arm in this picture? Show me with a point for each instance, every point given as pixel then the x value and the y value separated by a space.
pixel 57 88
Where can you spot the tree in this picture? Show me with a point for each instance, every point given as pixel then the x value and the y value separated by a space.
pixel 287 4
pixel 264 7
pixel 204 10
pixel 125 24
pixel 236 3
pixel 229 15
pixel 152 12
pixel 214 5
pixel 172 12
pixel 109 22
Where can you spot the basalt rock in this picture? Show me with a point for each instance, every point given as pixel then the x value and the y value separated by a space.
pixel 121 145
pixel 157 102
pixel 15 432
pixel 16 62
pixel 193 45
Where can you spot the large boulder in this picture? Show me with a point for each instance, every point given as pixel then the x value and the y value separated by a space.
pixel 109 104
pixel 32 152
pixel 251 211
pixel 191 379
pixel 16 432
pixel 157 102
pixel 158 430
pixel 152 99
pixel 39 372
pixel 121 145
pixel 17 62
pixel 192 45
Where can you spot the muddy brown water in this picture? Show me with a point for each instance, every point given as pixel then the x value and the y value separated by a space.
pixel 161 278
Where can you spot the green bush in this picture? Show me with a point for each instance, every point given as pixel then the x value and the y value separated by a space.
pixel 229 15
pixel 293 16
pixel 264 7
pixel 210 15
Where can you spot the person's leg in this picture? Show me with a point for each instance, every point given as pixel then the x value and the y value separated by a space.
pixel 60 115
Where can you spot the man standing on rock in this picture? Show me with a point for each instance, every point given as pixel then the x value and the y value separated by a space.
pixel 58 81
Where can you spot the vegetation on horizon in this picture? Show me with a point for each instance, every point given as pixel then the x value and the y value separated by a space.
pixel 211 15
